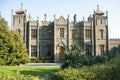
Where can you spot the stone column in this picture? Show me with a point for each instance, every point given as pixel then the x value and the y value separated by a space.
pixel 94 33
pixel 29 45
pixel 38 37
pixel 68 32
pixel 107 36
pixel 55 52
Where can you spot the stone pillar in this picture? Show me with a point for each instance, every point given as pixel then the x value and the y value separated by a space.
pixel 107 36
pixel 55 44
pixel 68 32
pixel 29 45
pixel 37 37
pixel 94 33
pixel 55 53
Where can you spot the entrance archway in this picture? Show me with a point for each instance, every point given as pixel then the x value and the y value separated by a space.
pixel 61 53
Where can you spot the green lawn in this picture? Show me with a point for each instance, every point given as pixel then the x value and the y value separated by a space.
pixel 37 71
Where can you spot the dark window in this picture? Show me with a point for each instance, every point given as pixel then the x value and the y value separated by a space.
pixel 48 50
pixel 73 34
pixel 62 32
pixel 88 50
pixel 88 33
pixel 101 32
pixel 101 21
pixel 33 51
pixel 33 33
pixel 49 34
pixel 19 21
pixel 101 49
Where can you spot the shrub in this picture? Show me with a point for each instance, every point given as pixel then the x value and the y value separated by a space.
pixel 99 59
pixel 33 60
pixel 18 77
pixel 42 60
pixel 106 71
pixel 73 57
pixel 73 74
pixel 77 58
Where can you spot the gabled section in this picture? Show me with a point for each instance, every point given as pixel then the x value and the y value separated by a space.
pixel 61 21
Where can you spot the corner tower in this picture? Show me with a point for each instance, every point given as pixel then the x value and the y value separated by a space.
pixel 19 22
pixel 100 32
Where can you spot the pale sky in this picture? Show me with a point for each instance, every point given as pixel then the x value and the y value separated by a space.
pixel 83 8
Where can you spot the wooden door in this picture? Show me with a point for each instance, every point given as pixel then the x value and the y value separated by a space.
pixel 61 53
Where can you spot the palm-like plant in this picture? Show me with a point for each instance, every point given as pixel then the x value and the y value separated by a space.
pixel 73 57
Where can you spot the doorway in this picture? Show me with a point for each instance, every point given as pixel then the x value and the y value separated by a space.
pixel 61 53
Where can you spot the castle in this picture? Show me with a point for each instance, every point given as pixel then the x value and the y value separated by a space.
pixel 51 38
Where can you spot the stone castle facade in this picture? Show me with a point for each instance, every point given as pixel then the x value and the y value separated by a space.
pixel 51 38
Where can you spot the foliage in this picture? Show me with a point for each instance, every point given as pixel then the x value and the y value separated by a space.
pixel 77 58
pixel 99 59
pixel 106 71
pixel 12 49
pixel 73 57
pixel 113 52
pixel 18 77
pixel 73 74
pixel 41 60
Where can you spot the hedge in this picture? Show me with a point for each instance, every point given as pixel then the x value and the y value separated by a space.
pixel 18 77
pixel 106 71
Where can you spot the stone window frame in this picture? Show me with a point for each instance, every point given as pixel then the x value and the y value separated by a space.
pixel 33 33
pixel 88 49
pixel 62 32
pixel 101 33
pixel 87 33
pixel 33 50
pixel 102 50
pixel 73 34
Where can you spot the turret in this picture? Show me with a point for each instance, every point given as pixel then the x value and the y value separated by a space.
pixel 75 19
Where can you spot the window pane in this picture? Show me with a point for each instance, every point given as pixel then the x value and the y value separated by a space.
pixel 33 51
pixel 88 50
pixel 73 34
pixel 62 32
pixel 102 49
pixel 88 33
pixel 33 33
pixel 101 32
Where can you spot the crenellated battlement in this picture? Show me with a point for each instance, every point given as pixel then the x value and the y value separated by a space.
pixel 114 39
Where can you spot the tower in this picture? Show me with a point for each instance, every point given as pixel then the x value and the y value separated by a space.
pixel 19 22
pixel 100 33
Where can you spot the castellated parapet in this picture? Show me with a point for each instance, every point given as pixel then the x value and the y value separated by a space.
pixel 113 43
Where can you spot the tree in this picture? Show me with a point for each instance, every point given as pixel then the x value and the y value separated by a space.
pixel 12 49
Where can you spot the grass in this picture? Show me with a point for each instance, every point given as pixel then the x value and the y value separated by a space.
pixel 41 71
